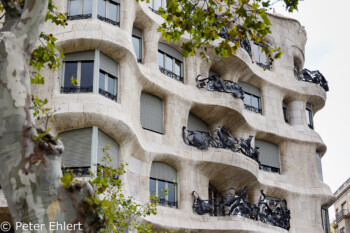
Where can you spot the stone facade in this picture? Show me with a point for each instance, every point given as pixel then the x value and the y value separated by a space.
pixel 297 183
pixel 341 223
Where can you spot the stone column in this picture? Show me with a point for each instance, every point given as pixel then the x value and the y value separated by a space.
pixel 297 116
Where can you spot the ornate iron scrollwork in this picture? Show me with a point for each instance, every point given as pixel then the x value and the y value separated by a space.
pixel 216 83
pixel 270 210
pixel 107 20
pixel 76 89
pixel 315 77
pixel 76 17
pixel 253 109
pixel 263 65
pixel 171 74
pixel 245 44
pixel 220 138
pixel 107 94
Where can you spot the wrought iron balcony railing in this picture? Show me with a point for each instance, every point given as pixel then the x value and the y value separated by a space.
pixel 108 94
pixel 269 169
pixel 268 210
pixel 77 171
pixel 76 17
pixel 341 214
pixel 107 20
pixel 263 65
pixel 245 44
pixel 164 202
pixel 253 109
pixel 220 138
pixel 315 77
pixel 216 83
pixel 155 11
pixel 171 74
pixel 76 89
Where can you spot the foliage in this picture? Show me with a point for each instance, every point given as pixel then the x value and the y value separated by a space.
pixel 205 21
pixel 109 204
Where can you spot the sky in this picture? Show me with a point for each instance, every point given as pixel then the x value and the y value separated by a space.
pixel 327 50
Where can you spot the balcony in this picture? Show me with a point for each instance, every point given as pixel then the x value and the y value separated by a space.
pixel 108 95
pixel 171 74
pixel 253 109
pixel 341 214
pixel 311 77
pixel 76 89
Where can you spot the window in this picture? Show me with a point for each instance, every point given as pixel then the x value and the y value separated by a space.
pixel 79 66
pixel 325 219
pixel 137 43
pixel 79 9
pixel 163 177
pixel 260 56
pixel 108 77
pixel 269 156
pixel 196 123
pixel 344 206
pixel 154 5
pixel 81 150
pixel 342 230
pixel 309 116
pixel 319 165
pixel 152 113
pixel 214 200
pixel 170 62
pixel 285 112
pixel 252 99
pixel 109 11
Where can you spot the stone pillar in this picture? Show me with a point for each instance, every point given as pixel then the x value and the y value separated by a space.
pixel 297 114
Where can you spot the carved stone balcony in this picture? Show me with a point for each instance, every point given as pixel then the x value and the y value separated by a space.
pixel 268 210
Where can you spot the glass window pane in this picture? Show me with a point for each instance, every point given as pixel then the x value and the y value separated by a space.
pixel 137 46
pixel 169 63
pixel 255 102
pixel 164 4
pixel 102 81
pixel 101 8
pixel 161 188
pixel 177 68
pixel 74 7
pixel 157 4
pixel 256 52
pixel 70 71
pixel 171 192
pixel 308 120
pixel 87 73
pixel 111 83
pixel 263 58
pixel 113 11
pixel 87 7
pixel 160 59
pixel 152 187
pixel 247 100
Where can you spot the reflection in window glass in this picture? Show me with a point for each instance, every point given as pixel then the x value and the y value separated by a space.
pixel 102 8
pixel 102 81
pixel 113 11
pixel 177 70
pixel 256 52
pixel 152 187
pixel 161 59
pixel 111 84
pixel 74 7
pixel 171 192
pixel 161 188
pixel 137 46
pixel 247 100
pixel 168 63
pixel 157 4
pixel 87 7
pixel 308 119
pixel 70 71
pixel 87 71
pixel 255 102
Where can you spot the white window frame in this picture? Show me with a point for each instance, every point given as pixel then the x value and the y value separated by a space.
pixel 251 101
pixel 106 74
pixel 260 54
pixel 81 4
pixel 163 4
pixel 78 72
pixel 140 38
pixel 107 10
pixel 173 64
pixel 156 194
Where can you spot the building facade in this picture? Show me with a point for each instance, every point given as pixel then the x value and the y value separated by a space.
pixel 249 124
pixel 341 224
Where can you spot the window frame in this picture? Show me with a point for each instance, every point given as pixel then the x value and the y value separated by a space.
pixel 156 194
pixel 171 73
pixel 81 9
pixel 309 112
pixel 285 112
pixel 140 38
pixel 163 115
pixel 105 92
pixel 259 62
pixel 163 4
pixel 251 107
pixel 106 17
pixel 77 88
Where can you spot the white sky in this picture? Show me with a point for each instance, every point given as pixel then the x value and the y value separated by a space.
pixel 327 24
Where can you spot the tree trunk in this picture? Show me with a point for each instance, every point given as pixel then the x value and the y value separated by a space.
pixel 29 169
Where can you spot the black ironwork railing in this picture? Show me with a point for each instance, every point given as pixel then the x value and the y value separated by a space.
pixel 108 94
pixel 253 109
pixel 245 44
pixel 107 20
pixel 155 11
pixel 220 138
pixel 263 65
pixel 77 171
pixel 76 89
pixel 315 77
pixel 216 83
pixel 171 74
pixel 268 210
pixel 164 202
pixel 139 60
pixel 269 169
pixel 76 17
pixel 341 214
